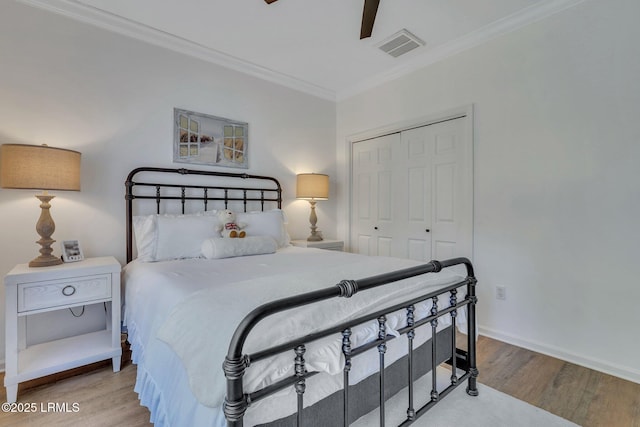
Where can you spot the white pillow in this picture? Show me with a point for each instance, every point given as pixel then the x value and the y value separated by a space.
pixel 268 223
pixel 223 247
pixel 181 237
pixel 144 228
pixel 162 237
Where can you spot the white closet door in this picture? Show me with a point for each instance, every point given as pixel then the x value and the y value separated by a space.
pixel 373 222
pixel 413 193
pixel 443 154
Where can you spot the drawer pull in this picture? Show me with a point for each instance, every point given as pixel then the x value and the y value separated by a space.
pixel 68 290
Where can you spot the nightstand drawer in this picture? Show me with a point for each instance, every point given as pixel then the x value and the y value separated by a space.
pixel 56 293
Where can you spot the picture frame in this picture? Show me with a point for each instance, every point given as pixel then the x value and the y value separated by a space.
pixel 71 251
pixel 209 140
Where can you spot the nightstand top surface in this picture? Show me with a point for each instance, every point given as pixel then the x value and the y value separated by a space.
pixel 326 243
pixel 107 264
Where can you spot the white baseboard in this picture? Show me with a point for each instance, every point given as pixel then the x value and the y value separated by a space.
pixel 624 372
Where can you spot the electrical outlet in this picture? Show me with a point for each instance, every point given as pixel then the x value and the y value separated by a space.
pixel 501 292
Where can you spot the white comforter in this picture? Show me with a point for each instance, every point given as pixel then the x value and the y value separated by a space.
pixel 195 305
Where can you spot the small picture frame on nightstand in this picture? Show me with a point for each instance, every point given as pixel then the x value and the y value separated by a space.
pixel 71 251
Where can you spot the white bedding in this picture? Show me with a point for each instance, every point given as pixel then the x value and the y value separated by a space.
pixel 186 386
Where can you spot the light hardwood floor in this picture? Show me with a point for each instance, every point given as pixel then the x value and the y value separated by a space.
pixel 586 397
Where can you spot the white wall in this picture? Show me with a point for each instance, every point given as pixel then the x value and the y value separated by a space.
pixel 557 180
pixel 74 86
pixel 556 150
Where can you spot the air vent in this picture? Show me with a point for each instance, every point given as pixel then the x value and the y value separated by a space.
pixel 400 43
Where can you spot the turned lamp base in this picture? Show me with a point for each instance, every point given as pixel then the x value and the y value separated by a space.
pixel 45 228
pixel 313 219
pixel 45 261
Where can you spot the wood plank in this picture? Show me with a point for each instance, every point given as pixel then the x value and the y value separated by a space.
pixel 104 398
pixel 578 394
pixel 614 402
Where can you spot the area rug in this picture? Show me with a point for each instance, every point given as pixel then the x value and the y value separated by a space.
pixel 490 408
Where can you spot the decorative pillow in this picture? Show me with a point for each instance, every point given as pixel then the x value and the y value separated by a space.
pixel 220 247
pixel 267 223
pixel 144 229
pixel 163 237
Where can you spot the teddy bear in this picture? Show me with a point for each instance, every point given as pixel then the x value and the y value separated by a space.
pixel 228 226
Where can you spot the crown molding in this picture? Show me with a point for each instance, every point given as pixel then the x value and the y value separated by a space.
pixel 503 26
pixel 117 24
pixel 81 12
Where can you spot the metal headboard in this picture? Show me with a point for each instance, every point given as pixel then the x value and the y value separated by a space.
pixel 187 192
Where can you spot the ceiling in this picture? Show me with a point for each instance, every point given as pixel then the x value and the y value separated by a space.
pixel 310 45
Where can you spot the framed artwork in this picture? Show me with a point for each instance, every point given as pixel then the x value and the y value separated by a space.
pixel 208 140
pixel 71 251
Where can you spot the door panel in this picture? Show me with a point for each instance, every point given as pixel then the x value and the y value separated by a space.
pixel 416 187
pixel 444 194
pixel 364 245
pixel 364 202
pixel 384 195
pixel 415 193
pixel 418 249
pixel 384 246
pixel 453 190
pixel 444 250
pixel 374 196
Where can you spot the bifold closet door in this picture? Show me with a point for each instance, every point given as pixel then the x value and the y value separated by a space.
pixel 374 180
pixel 413 193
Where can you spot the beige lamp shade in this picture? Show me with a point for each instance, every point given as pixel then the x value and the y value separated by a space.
pixel 313 186
pixel 39 167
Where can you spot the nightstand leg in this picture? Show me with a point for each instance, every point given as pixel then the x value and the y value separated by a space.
pixel 116 363
pixel 12 342
pixel 12 393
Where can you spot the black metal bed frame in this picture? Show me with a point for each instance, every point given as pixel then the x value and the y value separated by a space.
pixel 190 192
pixel 237 362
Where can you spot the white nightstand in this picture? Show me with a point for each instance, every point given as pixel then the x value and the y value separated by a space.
pixel 38 290
pixel 332 245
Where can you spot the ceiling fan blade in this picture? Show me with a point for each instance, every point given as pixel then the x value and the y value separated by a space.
pixel 368 17
pixel 270 1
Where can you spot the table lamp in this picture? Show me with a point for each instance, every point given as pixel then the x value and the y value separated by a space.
pixel 44 168
pixel 312 187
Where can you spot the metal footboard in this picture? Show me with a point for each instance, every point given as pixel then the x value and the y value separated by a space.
pixel 235 364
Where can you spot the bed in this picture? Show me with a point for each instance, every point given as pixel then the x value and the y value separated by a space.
pixel 255 331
